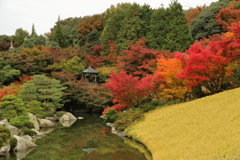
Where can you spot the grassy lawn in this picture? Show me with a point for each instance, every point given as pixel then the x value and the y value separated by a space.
pixel 204 129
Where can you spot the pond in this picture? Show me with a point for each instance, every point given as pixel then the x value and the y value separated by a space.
pixel 86 139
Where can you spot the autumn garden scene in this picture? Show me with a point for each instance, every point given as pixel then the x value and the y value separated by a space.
pixel 166 80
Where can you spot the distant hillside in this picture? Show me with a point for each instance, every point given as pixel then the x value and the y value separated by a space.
pixel 206 128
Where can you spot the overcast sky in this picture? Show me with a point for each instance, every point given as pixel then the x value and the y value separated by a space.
pixel 44 13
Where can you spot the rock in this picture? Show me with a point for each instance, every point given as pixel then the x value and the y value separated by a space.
pixel 4 123
pixel 51 119
pixel 13 129
pixel 64 118
pixel 113 130
pixel 109 124
pixel 67 123
pixel 4 150
pixel 67 117
pixel 71 117
pixel 47 130
pixel 36 131
pixel 80 118
pixel 121 134
pixel 44 123
pixel 27 137
pixel 38 135
pixel 22 144
pixel 21 154
pixel 103 117
pixel 34 120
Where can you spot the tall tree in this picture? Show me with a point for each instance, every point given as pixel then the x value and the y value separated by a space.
pixel 193 13
pixel 229 15
pixel 205 25
pixel 20 36
pixel 33 34
pixel 158 28
pixel 129 90
pixel 131 30
pixel 58 36
pixel 113 17
pixel 178 37
pixel 87 24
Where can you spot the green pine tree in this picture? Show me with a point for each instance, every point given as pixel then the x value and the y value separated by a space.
pixel 131 29
pixel 33 34
pixel 58 36
pixel 158 29
pixel 178 37
pixel 43 89
pixel 205 24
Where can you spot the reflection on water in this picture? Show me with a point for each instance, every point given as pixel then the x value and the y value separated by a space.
pixel 86 139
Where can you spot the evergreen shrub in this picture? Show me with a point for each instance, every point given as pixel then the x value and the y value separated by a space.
pixel 1 142
pixel 13 142
pixel 29 132
pixel 4 136
pixel 111 115
pixel 127 118
pixel 21 121
pixel 5 130
pixel 60 113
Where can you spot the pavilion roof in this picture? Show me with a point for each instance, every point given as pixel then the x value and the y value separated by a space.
pixel 90 70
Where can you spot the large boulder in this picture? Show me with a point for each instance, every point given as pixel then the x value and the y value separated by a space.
pixel 23 153
pixel 51 119
pixel 27 137
pixel 4 150
pixel 13 129
pixel 44 123
pixel 22 144
pixel 67 117
pixel 67 123
pixel 64 118
pixel 34 120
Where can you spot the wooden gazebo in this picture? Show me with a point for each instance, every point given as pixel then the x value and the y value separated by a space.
pixel 90 75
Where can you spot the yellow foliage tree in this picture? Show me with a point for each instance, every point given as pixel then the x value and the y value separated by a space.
pixel 174 87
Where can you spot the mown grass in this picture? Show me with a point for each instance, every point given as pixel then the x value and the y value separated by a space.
pixel 206 128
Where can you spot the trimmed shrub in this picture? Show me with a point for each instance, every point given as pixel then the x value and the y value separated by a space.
pixel 111 115
pixel 46 114
pixel 127 118
pixel 60 113
pixel 4 136
pixel 5 130
pixel 21 121
pixel 1 142
pixel 29 132
pixel 13 142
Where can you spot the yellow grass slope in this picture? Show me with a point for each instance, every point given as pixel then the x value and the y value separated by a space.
pixel 203 129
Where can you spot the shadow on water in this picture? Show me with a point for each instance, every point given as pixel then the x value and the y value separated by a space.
pixel 87 139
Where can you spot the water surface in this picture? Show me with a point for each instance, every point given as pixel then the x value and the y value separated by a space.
pixel 87 139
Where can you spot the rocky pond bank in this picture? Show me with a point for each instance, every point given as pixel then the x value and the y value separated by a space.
pixel 13 139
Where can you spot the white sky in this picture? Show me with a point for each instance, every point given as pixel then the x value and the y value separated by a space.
pixel 16 14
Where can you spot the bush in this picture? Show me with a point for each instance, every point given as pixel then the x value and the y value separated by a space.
pixel 5 130
pixel 127 118
pixel 13 142
pixel 60 113
pixel 1 142
pixel 46 114
pixel 111 115
pixel 18 124
pixel 29 132
pixel 21 121
pixel 4 136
